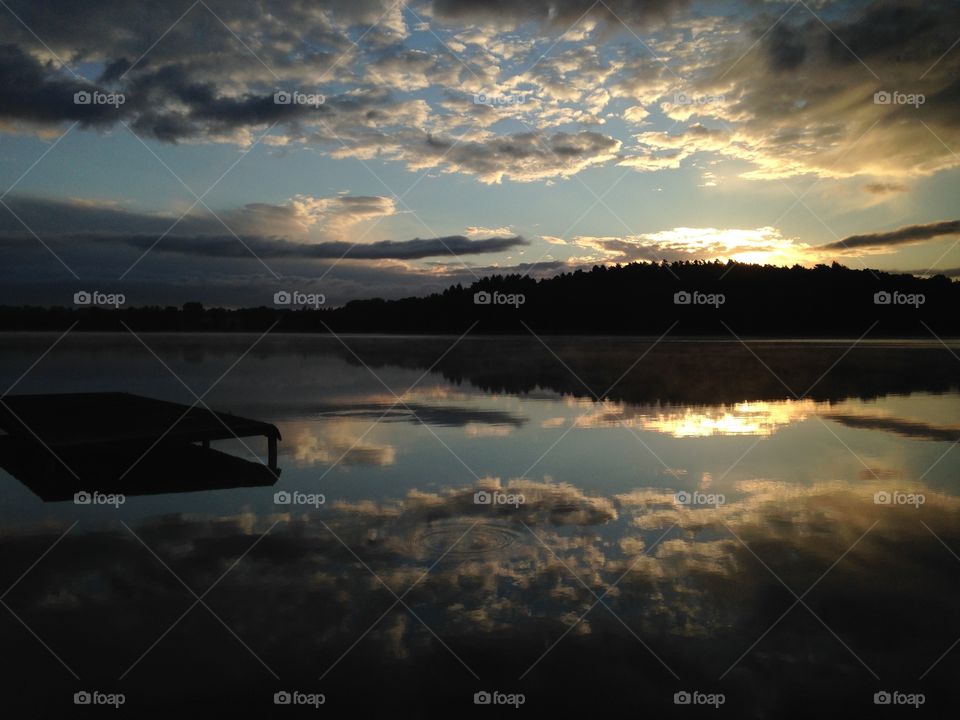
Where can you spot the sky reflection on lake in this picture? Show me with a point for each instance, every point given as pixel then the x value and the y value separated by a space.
pixel 633 548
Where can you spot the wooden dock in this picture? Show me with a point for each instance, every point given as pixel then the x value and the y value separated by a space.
pixel 88 420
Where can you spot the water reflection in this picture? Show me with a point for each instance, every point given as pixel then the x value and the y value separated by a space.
pixel 746 418
pixel 692 595
pixel 698 586
pixel 334 442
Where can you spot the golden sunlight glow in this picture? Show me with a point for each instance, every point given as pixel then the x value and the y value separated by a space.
pixel 748 418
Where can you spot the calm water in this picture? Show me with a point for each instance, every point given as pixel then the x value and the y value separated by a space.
pixel 714 523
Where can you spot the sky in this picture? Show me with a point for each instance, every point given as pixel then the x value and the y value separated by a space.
pixel 221 151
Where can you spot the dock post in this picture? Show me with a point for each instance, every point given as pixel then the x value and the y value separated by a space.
pixel 272 452
pixel 206 444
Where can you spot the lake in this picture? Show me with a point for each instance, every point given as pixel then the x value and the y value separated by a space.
pixel 625 523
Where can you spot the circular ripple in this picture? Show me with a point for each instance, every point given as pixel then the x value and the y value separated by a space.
pixel 484 538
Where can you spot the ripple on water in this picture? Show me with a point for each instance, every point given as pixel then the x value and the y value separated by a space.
pixel 484 538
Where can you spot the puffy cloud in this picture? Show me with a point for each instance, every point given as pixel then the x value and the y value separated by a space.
pixel 335 444
pixel 475 231
pixel 799 102
pixel 803 101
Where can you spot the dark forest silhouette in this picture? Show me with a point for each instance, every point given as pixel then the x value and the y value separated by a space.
pixel 639 298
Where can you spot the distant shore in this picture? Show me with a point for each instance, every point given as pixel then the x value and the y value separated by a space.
pixel 690 299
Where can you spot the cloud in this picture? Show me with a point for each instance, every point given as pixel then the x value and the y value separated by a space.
pixel 793 100
pixel 228 246
pixel 796 102
pixel 883 188
pixel 522 157
pixel 908 235
pixel 556 13
pixel 265 228
pixel 32 92
pixel 334 217
pixel 475 231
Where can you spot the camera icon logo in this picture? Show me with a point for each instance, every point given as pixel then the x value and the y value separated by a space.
pixel 82 97
pixel 282 97
pixel 682 698
pixel 881 497
pixel 282 498
pixel 482 298
pixel 482 497
pixel 82 298
pixel 683 497
pixel 882 97
pixel 882 298
pixel 882 698
pixel 82 498
pixel 482 698
pixel 682 298
pixel 82 698
pixel 282 297
pixel 282 698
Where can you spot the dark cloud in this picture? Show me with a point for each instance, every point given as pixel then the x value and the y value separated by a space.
pixel 525 156
pixel 556 12
pixel 883 188
pixel 418 248
pixel 903 236
pixel 79 223
pixel 886 30
pixel 37 92
pixel 228 246
pixel 803 100
pixel 785 47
